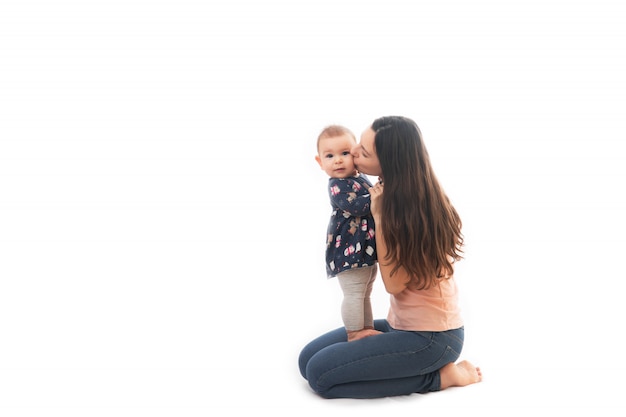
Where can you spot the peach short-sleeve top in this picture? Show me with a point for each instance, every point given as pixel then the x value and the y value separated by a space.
pixel 434 309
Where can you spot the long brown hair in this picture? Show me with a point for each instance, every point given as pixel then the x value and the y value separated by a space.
pixel 422 229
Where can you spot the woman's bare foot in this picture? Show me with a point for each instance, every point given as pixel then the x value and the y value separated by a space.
pixel 360 334
pixel 459 375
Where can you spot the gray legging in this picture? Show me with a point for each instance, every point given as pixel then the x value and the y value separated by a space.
pixel 356 308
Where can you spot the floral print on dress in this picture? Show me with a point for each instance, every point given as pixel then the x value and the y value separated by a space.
pixel 351 239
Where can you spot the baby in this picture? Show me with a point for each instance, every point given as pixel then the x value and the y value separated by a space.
pixel 351 247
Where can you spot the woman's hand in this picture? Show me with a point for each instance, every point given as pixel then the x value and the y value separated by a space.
pixel 376 193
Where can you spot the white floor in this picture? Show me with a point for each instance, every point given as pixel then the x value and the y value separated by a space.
pixel 223 353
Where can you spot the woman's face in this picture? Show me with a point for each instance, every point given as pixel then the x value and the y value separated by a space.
pixel 364 154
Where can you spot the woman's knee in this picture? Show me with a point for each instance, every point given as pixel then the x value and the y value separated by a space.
pixel 314 374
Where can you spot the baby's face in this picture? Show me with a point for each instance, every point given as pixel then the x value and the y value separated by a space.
pixel 333 156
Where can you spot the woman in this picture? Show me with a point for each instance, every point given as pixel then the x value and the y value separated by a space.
pixel 418 235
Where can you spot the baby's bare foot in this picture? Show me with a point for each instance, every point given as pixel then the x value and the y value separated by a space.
pixel 360 334
pixel 459 375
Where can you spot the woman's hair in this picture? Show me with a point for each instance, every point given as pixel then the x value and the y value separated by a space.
pixel 422 229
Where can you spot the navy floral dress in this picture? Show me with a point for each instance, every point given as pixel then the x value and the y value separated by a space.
pixel 350 242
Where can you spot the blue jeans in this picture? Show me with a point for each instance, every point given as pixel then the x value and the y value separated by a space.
pixel 396 362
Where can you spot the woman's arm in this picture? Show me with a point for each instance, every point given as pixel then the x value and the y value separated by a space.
pixel 398 282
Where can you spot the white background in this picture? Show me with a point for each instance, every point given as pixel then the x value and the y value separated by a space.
pixel 162 217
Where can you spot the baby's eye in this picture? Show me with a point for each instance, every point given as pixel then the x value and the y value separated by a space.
pixel 328 155
pixel 346 153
